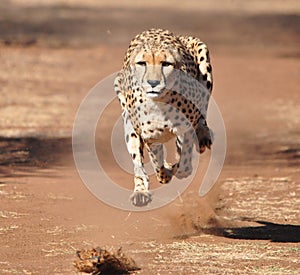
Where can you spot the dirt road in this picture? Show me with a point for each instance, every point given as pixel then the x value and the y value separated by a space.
pixel 51 55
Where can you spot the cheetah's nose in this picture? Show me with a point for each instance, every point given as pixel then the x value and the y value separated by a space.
pixel 153 83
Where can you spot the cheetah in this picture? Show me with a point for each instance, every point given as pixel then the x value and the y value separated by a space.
pixel 164 89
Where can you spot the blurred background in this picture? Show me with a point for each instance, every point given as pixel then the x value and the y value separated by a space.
pixel 223 24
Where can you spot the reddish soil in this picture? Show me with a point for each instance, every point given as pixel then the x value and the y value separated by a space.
pixel 52 54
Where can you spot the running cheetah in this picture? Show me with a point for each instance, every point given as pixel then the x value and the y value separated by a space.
pixel 164 89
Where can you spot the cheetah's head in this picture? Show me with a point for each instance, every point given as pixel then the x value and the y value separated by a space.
pixel 156 71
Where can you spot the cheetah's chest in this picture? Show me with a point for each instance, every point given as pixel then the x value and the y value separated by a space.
pixel 157 121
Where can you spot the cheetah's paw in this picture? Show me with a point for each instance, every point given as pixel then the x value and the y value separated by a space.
pixel 205 138
pixel 141 198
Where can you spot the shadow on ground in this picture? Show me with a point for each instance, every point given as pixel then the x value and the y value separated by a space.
pixel 265 231
pixel 29 155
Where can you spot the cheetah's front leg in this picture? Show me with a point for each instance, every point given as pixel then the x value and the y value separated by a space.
pixel 141 195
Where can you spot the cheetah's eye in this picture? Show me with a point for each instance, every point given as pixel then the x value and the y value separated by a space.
pixel 166 64
pixel 141 63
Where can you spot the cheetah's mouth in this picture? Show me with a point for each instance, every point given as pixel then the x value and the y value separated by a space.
pixel 153 94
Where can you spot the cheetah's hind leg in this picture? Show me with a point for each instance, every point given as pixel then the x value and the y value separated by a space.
pixel 184 145
pixel 163 170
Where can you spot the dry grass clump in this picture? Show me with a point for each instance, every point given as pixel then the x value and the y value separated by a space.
pixel 101 261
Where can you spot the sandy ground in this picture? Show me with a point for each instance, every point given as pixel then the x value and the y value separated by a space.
pixel 51 55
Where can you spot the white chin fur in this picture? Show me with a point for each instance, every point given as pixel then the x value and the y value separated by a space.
pixel 153 94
